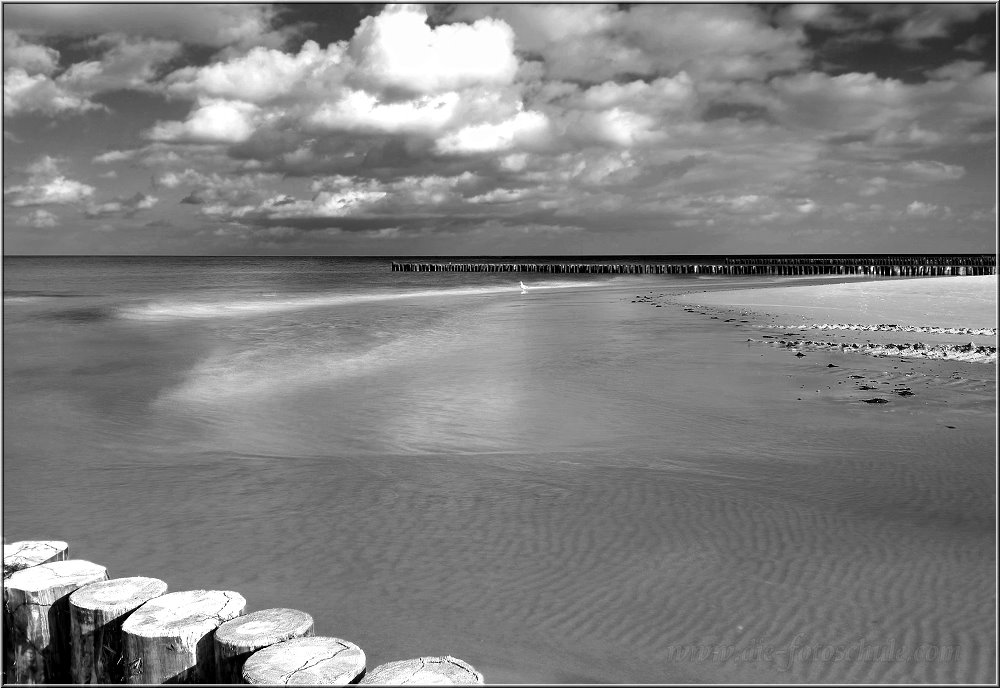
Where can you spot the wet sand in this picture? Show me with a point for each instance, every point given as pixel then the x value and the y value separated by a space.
pixel 881 507
pixel 677 504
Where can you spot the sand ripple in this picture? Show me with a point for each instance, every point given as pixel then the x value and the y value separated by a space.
pixel 679 574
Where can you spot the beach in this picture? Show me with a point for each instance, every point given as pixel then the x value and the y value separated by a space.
pixel 940 313
pixel 567 485
pixel 941 301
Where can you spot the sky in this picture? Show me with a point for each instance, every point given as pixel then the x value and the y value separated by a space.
pixel 503 129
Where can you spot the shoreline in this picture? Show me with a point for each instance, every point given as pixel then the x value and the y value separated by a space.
pixel 918 318
pixel 906 301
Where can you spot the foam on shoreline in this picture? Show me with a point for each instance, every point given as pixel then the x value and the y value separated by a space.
pixel 989 331
pixel 969 353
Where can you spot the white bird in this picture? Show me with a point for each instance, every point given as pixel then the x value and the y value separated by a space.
pixel 524 289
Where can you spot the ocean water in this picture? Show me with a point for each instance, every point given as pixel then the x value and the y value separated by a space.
pixel 554 486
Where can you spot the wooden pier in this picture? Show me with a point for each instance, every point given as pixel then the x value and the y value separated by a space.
pixel 888 266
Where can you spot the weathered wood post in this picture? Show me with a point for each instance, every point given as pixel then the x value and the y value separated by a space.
pixel 424 671
pixel 317 660
pixel 97 612
pixel 21 555
pixel 239 638
pixel 36 609
pixel 169 638
pixel 28 553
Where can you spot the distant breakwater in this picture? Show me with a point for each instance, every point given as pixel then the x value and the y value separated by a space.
pixel 888 266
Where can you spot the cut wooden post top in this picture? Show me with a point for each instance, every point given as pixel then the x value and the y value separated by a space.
pixel 264 627
pixel 118 595
pixel 189 612
pixel 56 574
pixel 317 660
pixel 27 553
pixel 424 671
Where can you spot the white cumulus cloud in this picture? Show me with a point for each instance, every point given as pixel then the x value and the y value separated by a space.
pixel 46 185
pixel 30 57
pixel 525 128
pixel 264 74
pixel 24 93
pixel 399 50
pixel 212 121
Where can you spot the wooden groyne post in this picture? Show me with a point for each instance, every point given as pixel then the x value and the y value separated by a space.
pixel 170 638
pixel 320 660
pixel 97 612
pixel 237 639
pixel 25 554
pixel 37 617
pixel 67 621
pixel 884 265
pixel 424 671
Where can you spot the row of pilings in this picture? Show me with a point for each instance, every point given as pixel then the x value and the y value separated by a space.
pixel 69 621
pixel 932 266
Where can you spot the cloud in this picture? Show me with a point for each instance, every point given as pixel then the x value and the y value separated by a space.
pixel 218 189
pixel 215 25
pixel 923 22
pixel 46 185
pixel 447 89
pixel 904 24
pixel 524 128
pixel 932 170
pixel 874 186
pixel 44 166
pixel 959 70
pixel 122 207
pixel 364 112
pixel 887 111
pixel 114 156
pixel 651 118
pixel 398 51
pixel 59 190
pixel 976 44
pixel 921 209
pixel 29 57
pixel 126 63
pixel 594 43
pixel 40 219
pixel 212 121
pixel 24 93
pixel 807 206
pixel 355 203
pixel 264 74
pixel 829 17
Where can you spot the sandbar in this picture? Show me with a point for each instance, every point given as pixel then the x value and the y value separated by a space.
pixel 969 302
pixel 951 318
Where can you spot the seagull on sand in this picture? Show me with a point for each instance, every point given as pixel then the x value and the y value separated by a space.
pixel 524 289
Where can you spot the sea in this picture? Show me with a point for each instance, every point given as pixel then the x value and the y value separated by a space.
pixel 555 484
